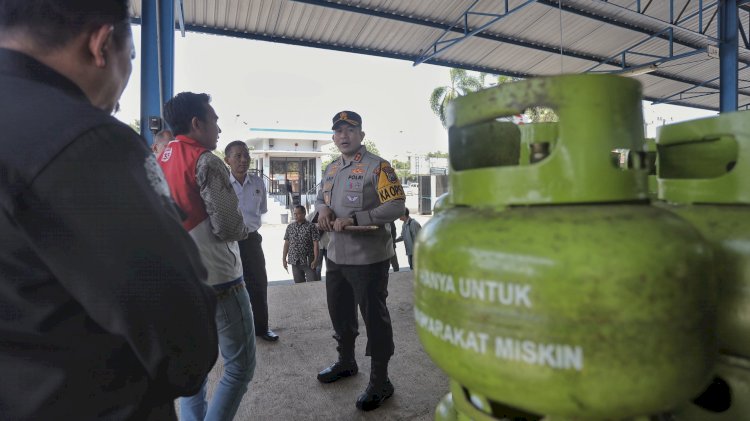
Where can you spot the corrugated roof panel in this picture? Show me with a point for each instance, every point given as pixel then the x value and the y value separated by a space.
pixel 526 42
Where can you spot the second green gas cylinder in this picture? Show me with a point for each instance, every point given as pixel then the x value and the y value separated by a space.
pixel 555 287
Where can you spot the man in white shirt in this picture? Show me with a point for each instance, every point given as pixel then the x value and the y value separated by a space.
pixel 251 193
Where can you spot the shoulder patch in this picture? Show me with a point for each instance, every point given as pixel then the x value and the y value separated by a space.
pixel 389 186
pixel 166 154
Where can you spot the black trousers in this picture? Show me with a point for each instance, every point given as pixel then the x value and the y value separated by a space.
pixel 256 279
pixel 366 286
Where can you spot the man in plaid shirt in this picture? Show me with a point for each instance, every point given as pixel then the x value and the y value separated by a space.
pixel 301 247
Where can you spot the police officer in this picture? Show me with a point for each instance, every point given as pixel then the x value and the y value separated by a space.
pixel 359 190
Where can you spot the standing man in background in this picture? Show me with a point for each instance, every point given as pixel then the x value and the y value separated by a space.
pixel 160 141
pixel 359 188
pixel 251 193
pixel 199 182
pixel 103 310
pixel 394 259
pixel 301 247
pixel 409 230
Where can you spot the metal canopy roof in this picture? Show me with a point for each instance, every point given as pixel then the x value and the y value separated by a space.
pixel 672 43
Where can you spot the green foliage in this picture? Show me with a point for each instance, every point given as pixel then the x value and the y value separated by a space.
pixel 461 83
pixel 370 145
pixel 400 165
pixel 437 154
pixel 136 125
pixel 541 115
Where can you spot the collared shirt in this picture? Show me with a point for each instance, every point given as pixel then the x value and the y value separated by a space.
pixel 301 238
pixel 252 197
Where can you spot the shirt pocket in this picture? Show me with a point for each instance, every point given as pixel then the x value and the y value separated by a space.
pixel 352 199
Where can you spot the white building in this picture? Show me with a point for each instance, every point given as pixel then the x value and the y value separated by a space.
pixel 290 164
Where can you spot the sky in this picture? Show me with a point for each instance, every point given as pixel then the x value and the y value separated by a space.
pixel 271 85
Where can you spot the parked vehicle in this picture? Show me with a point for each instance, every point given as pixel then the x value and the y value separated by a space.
pixel 411 188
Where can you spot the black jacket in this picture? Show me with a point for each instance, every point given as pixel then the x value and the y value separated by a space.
pixel 103 313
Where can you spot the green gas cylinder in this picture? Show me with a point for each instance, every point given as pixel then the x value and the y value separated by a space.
pixel 446 410
pixel 472 406
pixel 555 287
pixel 651 163
pixel 728 397
pixel 537 140
pixel 704 176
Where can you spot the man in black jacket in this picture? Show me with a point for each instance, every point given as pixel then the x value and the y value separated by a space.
pixel 103 311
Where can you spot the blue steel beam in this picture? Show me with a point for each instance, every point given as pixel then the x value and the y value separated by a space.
pixel 635 28
pixel 728 45
pixel 181 17
pixel 659 59
pixel 679 18
pixel 442 44
pixel 680 95
pixel 157 59
pixel 436 62
pixel 430 24
pixel 742 28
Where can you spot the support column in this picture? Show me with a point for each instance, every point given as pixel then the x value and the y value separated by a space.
pixel 157 59
pixel 728 55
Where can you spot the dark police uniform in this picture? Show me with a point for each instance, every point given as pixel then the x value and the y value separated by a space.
pixel 368 190
pixel 103 313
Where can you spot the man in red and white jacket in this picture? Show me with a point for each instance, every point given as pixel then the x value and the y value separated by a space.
pixel 199 184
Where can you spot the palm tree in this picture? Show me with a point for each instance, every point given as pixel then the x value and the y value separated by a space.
pixel 461 84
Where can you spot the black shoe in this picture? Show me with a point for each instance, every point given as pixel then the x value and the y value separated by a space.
pixel 374 396
pixel 338 370
pixel 269 336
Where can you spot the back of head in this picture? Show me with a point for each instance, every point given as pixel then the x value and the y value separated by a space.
pixel 51 24
pixel 180 110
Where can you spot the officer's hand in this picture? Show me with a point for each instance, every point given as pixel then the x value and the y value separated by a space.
pixel 341 223
pixel 326 218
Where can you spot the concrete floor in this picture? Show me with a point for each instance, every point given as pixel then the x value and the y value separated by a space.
pixel 285 385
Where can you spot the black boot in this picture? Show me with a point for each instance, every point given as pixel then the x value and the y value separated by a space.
pixel 338 370
pixel 346 366
pixel 378 389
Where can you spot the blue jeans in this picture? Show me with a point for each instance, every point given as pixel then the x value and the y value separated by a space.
pixel 234 321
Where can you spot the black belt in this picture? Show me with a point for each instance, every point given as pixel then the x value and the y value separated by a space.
pixel 225 291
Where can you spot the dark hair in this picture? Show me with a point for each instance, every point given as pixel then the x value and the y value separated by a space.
pixel 180 110
pixel 406 211
pixel 53 23
pixel 233 144
pixel 304 209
